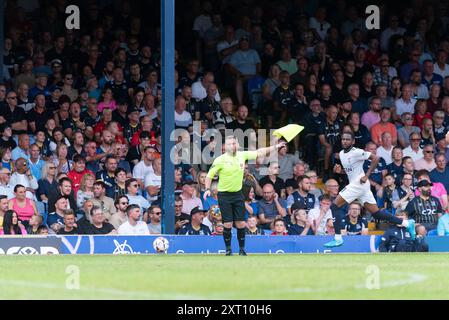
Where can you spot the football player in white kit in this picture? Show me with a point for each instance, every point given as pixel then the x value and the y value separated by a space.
pixel 352 160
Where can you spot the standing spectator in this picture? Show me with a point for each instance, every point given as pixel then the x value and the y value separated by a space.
pixel 195 226
pixel 155 216
pixel 328 133
pixel 120 217
pixel 133 225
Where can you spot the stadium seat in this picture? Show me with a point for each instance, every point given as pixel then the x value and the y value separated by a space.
pixel 432 233
pixel 255 91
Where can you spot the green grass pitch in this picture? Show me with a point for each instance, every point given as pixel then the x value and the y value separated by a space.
pixel 200 277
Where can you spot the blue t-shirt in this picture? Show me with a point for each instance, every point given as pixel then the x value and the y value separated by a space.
pixel 376 176
pixel 245 61
pixel 443 177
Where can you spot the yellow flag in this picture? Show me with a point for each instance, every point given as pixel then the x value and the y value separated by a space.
pixel 288 132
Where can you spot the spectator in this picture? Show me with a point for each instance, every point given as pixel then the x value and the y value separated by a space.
pixel 443 225
pixel 133 225
pixel 428 161
pixel 35 222
pixel 14 115
pixel 379 172
pixel 195 226
pixel 132 190
pixel 22 176
pixel 108 175
pixel 47 183
pixel 404 104
pixel 145 166
pixel 318 216
pixel 189 198
pixel 386 148
pixel 384 126
pixel 385 194
pixel 12 225
pixel 361 133
pixel 300 225
pixel 65 189
pixel 441 172
pixel 200 88
pixel 251 205
pixel 441 68
pixel 354 223
pixel 414 151
pixel 86 190
pixel 7 141
pixel 279 228
pixel 270 207
pixel 395 168
pixel 22 150
pixel 273 178
pixel 70 226
pixel 100 200
pixel 78 172
pixel 23 206
pixel 404 133
pixel 120 217
pixel 425 209
pixel 421 113
pixel 55 219
pixel 370 118
pixel 5 187
pixel 180 218
pixel 153 181
pixel 302 195
pixel 419 90
pixel 328 133
pixel 252 228
pixel 120 183
pixel 98 224
pixel 437 190
pixel 404 193
pixel 155 216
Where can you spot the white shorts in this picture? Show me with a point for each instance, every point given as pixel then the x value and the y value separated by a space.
pixel 357 191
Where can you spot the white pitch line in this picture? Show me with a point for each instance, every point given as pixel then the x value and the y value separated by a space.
pixel 110 291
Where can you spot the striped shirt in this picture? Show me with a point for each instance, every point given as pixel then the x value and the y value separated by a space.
pixel 424 211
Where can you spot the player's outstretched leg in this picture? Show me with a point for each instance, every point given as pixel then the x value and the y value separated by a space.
pixel 335 208
pixel 379 215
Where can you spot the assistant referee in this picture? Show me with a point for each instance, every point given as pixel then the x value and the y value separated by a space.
pixel 230 167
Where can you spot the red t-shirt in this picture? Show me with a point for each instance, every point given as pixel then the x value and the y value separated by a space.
pixel 76 178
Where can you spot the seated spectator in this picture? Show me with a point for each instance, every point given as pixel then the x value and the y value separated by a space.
pixel 133 225
pixel 100 200
pixel 385 194
pixel 251 205
pixel 180 218
pixel 60 159
pixel 370 118
pixel 270 207
pixel 414 151
pixel 6 140
pixel 252 229
pixel 64 189
pixel 132 189
pixel 385 150
pixel 107 101
pixel 272 177
pixel 404 132
pixel 98 224
pixel 443 225
pixel 286 162
pixel 5 188
pixel 108 175
pixel 427 134
pixel 12 225
pixel 428 217
pixel 78 172
pixel 120 183
pixel 218 229
pixel 428 161
pixel 120 217
pixel 384 126
pixel 22 206
pixel 398 239
pixel 441 172
pixel 328 133
pixel 155 217
pixel 153 182
pixel 55 220
pixel 3 207
pixel 195 226
pixel 395 168
pixel 318 216
pixel 299 224
pixel 302 195
pixel 189 198
pixel 22 176
pixel 279 228
pixel 404 193
pixel 70 226
pixel 379 172
pixel 86 190
pixel 35 222
pixel 421 113
pixel 35 163
pixel 354 223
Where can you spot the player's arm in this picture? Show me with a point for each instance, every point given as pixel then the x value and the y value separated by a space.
pixel 210 175
pixel 374 162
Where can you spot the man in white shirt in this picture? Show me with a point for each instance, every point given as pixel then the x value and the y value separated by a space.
pixel 441 67
pixel 23 176
pixel 145 166
pixel 386 149
pixel 199 88
pixel 133 226
pixel 153 181
pixel 5 187
pixel 413 150
pixel 406 103
pixel 132 188
pixel 183 119
pixel 319 23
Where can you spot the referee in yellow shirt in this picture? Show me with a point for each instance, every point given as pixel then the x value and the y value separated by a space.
pixel 230 167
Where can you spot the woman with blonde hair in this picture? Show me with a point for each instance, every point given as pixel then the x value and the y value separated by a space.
pixel 60 159
pixel 86 190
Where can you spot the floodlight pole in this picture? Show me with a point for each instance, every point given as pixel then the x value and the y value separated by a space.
pixel 168 114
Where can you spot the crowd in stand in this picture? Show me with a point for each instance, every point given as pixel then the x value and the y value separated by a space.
pixel 80 113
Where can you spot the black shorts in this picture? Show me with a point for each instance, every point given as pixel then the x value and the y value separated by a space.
pixel 232 206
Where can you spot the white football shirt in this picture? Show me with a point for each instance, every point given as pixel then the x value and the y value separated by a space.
pixel 352 162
